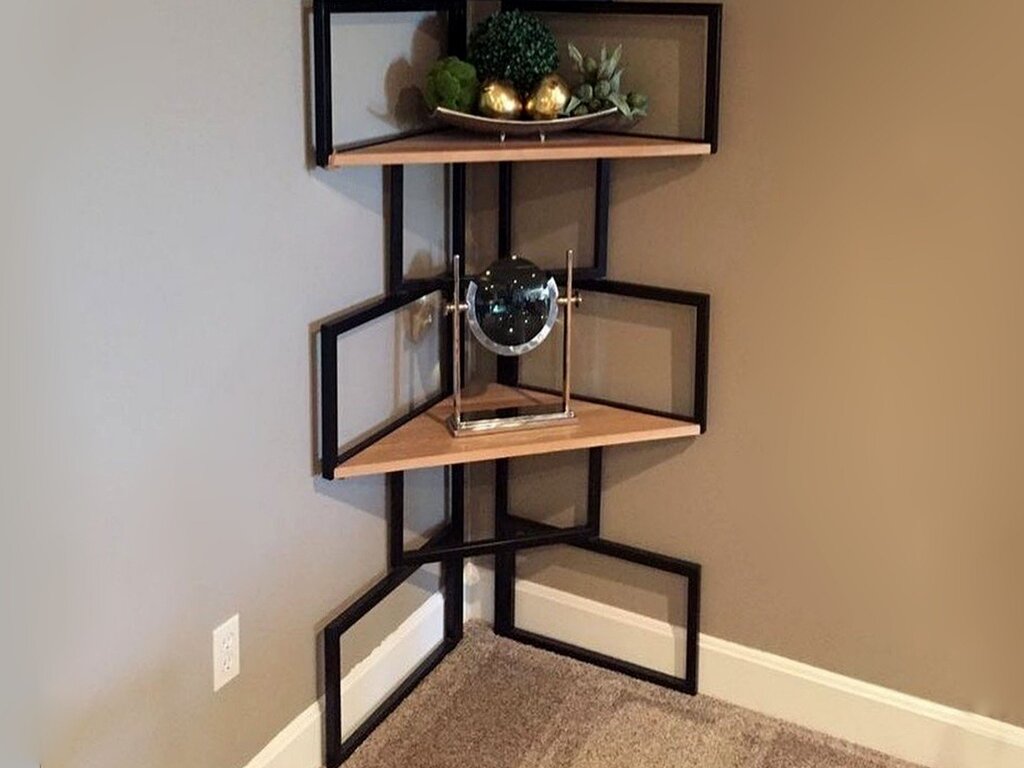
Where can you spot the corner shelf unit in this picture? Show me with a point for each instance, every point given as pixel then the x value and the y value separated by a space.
pixel 419 438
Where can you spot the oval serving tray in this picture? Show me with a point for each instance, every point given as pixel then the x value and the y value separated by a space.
pixel 503 128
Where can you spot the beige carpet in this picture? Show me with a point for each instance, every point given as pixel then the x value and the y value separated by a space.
pixel 493 703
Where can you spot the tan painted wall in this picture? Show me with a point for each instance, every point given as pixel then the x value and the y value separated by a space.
pixel 857 502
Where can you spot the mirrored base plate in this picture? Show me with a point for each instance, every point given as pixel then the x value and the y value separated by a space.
pixel 509 419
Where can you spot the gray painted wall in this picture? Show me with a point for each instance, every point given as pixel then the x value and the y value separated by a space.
pixel 182 254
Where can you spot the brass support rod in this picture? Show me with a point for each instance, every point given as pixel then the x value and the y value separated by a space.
pixel 567 337
pixel 456 307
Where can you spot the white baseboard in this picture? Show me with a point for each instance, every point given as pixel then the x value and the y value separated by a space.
pixel 897 724
pixel 478 594
pixel 380 673
pixel 300 744
pixel 913 729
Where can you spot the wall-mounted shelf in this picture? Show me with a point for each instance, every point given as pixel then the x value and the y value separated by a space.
pixel 459 147
pixel 426 442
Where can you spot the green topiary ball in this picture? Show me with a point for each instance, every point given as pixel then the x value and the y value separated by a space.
pixel 514 46
pixel 452 83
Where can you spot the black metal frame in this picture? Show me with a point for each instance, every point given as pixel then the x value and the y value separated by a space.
pixel 701 302
pixel 456 11
pixel 713 61
pixel 330 331
pixel 395 248
pixel 504 616
pixel 520 533
pixel 508 367
pixel 602 207
pixel 323 117
pixel 449 546
pixel 337 749
pixel 508 370
pixel 512 532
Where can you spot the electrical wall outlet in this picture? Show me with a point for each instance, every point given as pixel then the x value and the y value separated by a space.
pixel 227 658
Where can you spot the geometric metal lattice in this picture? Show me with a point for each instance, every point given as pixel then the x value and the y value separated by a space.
pixel 449 546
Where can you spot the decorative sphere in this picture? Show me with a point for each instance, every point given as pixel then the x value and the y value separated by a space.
pixel 548 99
pixel 512 306
pixel 498 98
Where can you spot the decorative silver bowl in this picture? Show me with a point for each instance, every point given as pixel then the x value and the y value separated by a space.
pixel 503 128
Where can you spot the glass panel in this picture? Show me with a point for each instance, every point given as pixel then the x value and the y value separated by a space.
pixel 550 488
pixel 648 599
pixel 426 231
pixel 379 63
pixel 664 57
pixel 387 367
pixel 482 216
pixel 426 504
pixel 628 350
pixel 366 681
pixel 553 209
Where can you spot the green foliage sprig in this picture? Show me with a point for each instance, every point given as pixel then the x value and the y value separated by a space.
pixel 600 86
pixel 514 46
pixel 452 83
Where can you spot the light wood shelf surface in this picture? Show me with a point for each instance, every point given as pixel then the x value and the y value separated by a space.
pixel 426 442
pixel 458 147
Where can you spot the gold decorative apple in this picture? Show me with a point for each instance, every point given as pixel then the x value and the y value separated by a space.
pixel 498 98
pixel 548 99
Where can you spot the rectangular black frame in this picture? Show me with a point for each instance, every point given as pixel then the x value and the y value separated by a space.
pixel 394 176
pixel 508 368
pixel 323 119
pixel 701 302
pixel 713 63
pixel 504 617
pixel 337 749
pixel 505 577
pixel 602 209
pixel 521 533
pixel 456 11
pixel 323 98
pixel 508 373
pixel 330 332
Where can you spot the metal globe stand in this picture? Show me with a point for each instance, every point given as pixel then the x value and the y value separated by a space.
pixel 462 423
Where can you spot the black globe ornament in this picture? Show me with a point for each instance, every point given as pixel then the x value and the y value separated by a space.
pixel 512 306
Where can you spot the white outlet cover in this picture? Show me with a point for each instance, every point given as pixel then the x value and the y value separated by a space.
pixel 227 655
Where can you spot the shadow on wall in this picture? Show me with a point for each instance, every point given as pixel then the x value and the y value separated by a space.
pixel 403 108
pixel 406 108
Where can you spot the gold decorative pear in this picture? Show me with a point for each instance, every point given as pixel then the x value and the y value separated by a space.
pixel 499 99
pixel 548 99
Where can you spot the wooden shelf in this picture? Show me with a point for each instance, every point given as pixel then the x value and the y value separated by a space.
pixel 458 147
pixel 426 442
